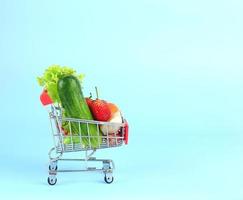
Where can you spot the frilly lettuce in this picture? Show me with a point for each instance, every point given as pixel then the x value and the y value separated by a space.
pixel 51 76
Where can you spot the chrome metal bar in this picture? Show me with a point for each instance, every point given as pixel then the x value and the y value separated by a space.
pixel 92 121
pixel 79 170
pixel 80 133
pixel 98 134
pixel 80 159
pixel 88 134
pixel 71 134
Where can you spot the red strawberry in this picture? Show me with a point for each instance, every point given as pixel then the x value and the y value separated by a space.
pixel 89 100
pixel 100 109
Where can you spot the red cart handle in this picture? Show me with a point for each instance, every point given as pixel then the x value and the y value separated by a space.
pixel 126 127
pixel 45 98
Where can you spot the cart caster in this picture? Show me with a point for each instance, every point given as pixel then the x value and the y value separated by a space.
pixel 108 178
pixel 106 165
pixel 53 166
pixel 52 180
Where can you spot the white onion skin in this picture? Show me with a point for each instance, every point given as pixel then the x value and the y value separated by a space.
pixel 116 118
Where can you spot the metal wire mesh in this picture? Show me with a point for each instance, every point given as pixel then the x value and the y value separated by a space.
pixel 72 134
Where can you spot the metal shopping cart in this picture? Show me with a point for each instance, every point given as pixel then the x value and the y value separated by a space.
pixel 73 142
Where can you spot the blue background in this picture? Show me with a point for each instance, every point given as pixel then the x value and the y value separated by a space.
pixel 173 67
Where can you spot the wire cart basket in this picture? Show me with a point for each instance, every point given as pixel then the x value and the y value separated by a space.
pixel 78 141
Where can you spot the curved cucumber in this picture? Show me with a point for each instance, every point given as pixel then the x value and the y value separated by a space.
pixel 75 106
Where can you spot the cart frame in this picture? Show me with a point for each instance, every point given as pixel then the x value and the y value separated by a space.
pixel 61 146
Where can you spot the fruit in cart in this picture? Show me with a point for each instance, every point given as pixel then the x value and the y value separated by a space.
pixel 75 106
pixel 100 109
pixel 89 100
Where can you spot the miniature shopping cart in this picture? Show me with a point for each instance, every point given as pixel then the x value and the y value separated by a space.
pixel 73 142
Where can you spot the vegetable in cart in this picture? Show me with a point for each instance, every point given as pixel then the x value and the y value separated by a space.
pixel 51 76
pixel 75 106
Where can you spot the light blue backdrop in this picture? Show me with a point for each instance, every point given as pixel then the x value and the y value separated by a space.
pixel 174 68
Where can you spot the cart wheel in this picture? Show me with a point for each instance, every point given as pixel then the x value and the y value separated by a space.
pixel 52 168
pixel 108 168
pixel 52 180
pixel 108 179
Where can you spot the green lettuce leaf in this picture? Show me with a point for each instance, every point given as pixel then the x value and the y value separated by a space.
pixel 51 76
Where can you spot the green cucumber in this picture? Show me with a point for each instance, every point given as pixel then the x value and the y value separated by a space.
pixel 70 140
pixel 75 106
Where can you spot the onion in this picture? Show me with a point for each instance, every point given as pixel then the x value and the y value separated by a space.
pixel 116 118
